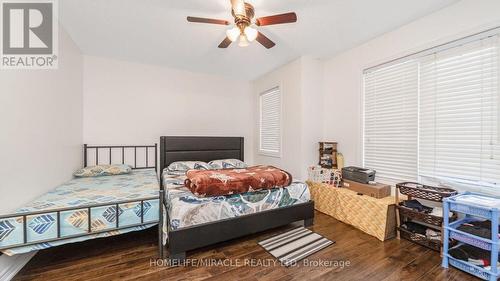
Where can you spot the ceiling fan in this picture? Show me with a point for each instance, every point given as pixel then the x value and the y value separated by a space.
pixel 245 28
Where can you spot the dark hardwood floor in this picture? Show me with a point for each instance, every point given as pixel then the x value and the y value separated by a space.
pixel 129 257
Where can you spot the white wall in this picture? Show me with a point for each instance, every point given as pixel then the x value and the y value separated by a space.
pixel 343 73
pixel 300 82
pixel 312 112
pixel 288 79
pixel 41 127
pixel 131 103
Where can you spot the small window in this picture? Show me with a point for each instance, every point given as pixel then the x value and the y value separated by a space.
pixel 270 123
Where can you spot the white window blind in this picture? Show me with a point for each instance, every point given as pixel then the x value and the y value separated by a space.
pixel 270 122
pixel 435 116
pixel 458 130
pixel 391 121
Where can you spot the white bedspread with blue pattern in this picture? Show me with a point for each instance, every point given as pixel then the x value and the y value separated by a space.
pixel 185 209
pixel 137 185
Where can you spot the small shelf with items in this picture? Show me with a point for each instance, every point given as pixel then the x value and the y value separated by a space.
pixel 328 155
pixel 419 223
pixel 459 235
pixel 421 216
pixel 426 192
pixel 471 269
pixel 477 231
pixel 419 239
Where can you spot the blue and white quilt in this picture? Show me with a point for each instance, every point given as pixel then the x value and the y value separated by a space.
pixel 139 184
pixel 185 209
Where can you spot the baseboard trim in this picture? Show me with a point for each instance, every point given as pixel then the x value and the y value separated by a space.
pixel 11 265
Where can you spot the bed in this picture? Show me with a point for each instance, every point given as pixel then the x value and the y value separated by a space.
pixel 88 207
pixel 189 222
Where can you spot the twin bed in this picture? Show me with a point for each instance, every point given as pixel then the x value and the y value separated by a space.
pixel 87 208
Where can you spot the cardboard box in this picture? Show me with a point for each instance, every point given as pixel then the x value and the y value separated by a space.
pixel 374 190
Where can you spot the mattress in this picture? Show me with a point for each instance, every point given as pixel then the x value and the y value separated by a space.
pixel 137 185
pixel 185 209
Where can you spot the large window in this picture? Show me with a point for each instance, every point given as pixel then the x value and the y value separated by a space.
pixel 270 123
pixel 434 117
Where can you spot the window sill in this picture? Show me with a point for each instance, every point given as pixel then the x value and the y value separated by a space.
pixel 269 154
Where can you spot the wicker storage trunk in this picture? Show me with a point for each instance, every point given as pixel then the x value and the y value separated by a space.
pixel 373 216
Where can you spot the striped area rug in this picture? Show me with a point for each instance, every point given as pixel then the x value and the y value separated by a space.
pixel 294 245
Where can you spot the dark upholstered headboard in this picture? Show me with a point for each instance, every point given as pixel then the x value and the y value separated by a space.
pixel 199 149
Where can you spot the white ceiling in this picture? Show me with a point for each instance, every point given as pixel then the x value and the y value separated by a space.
pixel 156 31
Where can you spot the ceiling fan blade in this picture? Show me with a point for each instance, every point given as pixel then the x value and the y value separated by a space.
pixel 277 19
pixel 225 43
pixel 206 20
pixel 238 7
pixel 266 42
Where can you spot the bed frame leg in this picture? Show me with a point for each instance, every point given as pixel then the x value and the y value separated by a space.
pixel 161 248
pixel 162 252
pixel 178 257
pixel 308 222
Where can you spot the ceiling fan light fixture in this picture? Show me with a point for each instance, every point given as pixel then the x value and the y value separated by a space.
pixel 233 33
pixel 245 25
pixel 238 7
pixel 243 41
pixel 250 33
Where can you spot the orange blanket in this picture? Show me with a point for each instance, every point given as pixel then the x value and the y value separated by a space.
pixel 204 183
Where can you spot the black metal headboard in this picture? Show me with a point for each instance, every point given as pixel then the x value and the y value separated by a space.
pixel 127 154
pixel 199 149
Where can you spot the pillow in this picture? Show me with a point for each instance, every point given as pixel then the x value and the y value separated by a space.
pixel 227 164
pixel 103 170
pixel 181 167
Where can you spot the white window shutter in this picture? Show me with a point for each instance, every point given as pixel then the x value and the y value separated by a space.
pixel 391 121
pixel 270 123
